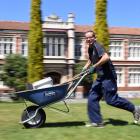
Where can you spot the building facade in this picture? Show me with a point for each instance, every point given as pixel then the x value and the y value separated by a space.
pixel 64 46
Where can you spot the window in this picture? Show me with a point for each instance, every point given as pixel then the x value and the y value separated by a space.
pixel 24 47
pixel 120 76
pixel 134 77
pixel 116 50
pixel 6 46
pixel 54 46
pixel 78 50
pixel 134 50
pixel 78 47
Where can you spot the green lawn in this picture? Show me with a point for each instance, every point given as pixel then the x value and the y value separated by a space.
pixel 58 126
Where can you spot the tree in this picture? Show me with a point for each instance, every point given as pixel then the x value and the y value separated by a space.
pixel 15 72
pixel 35 44
pixel 101 26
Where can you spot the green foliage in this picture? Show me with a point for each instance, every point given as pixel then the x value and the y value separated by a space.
pixel 87 81
pixel 35 40
pixel 101 26
pixel 15 72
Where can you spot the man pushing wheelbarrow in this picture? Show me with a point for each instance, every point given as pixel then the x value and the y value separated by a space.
pixel 104 86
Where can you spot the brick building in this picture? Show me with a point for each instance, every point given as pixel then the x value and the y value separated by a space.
pixel 64 45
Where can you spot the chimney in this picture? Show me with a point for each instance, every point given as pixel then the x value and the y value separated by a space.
pixel 71 18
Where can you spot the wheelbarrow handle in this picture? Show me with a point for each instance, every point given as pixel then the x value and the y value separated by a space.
pixel 78 76
pixel 74 85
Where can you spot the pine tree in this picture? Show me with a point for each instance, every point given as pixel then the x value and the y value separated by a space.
pixel 35 43
pixel 101 26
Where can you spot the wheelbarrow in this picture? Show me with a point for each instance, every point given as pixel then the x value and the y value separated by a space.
pixel 34 116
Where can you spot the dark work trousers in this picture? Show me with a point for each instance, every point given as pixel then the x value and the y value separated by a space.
pixel 106 88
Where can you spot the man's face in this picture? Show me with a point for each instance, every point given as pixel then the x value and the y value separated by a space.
pixel 89 38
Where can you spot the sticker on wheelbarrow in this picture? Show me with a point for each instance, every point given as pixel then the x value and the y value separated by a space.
pixel 50 93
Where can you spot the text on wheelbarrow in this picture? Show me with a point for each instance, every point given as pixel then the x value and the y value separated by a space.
pixel 50 93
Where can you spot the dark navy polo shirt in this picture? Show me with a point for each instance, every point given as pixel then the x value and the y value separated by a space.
pixel 107 70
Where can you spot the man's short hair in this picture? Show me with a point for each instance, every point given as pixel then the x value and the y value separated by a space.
pixel 93 33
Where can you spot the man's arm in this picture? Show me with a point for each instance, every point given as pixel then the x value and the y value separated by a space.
pixel 102 61
pixel 87 64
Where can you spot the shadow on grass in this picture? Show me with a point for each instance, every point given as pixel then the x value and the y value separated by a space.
pixel 116 122
pixel 65 124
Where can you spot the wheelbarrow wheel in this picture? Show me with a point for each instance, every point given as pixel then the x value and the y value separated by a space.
pixel 37 121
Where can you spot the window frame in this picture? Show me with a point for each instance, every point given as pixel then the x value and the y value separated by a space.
pixel 116 43
pixel 120 70
pixel 135 71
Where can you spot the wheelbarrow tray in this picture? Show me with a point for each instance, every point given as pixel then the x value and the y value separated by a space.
pixel 45 96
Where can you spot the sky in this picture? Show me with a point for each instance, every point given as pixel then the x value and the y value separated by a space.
pixel 122 13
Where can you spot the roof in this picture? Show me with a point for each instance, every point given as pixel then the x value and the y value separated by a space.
pixel 14 25
pixel 83 28
pixel 124 30
pixel 112 30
